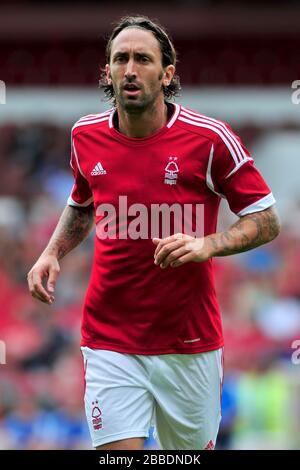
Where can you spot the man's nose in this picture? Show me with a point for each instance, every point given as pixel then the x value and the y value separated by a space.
pixel 130 72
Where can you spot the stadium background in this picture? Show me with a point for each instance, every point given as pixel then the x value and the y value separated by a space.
pixel 237 63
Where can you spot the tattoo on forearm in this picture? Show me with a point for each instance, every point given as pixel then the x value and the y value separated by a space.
pixel 73 226
pixel 247 233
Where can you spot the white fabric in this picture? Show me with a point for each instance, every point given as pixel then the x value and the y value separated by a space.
pixel 264 203
pixel 178 393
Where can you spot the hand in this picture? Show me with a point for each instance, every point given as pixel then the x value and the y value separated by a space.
pixel 179 249
pixel 47 266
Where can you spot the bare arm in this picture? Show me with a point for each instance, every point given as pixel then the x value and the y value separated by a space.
pixel 249 232
pixel 73 227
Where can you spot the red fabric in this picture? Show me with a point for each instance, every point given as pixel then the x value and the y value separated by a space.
pixel 132 305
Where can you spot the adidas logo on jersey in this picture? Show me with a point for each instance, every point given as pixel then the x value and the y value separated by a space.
pixel 98 170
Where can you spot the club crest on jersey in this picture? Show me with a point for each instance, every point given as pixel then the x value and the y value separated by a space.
pixel 171 171
pixel 96 416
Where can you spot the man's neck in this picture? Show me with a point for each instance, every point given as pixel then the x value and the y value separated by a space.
pixel 144 124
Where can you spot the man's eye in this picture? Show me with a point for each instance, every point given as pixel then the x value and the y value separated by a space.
pixel 143 58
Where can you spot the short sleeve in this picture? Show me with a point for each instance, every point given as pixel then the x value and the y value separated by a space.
pixel 231 174
pixel 81 195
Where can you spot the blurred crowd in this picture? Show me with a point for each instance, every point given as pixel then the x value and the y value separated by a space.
pixel 41 384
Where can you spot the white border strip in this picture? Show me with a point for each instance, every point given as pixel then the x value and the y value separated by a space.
pixel 235 104
pixel 220 125
pixel 213 128
pixel 93 116
pixel 247 159
pixel 71 202
pixel 175 115
pixel 77 161
pixel 209 181
pixel 110 122
pixel 258 206
pixel 86 123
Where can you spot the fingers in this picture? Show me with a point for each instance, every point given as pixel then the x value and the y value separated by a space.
pixel 173 257
pixel 161 242
pixel 179 249
pixel 42 299
pixel 167 252
pixel 53 275
pixel 171 248
pixel 35 278
pixel 188 257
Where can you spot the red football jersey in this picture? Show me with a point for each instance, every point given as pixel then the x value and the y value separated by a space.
pixel 132 305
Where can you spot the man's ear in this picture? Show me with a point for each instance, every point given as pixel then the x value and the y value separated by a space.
pixel 168 75
pixel 108 76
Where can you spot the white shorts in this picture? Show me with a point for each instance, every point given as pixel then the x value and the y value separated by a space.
pixel 180 394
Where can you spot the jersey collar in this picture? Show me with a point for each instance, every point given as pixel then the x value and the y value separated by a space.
pixel 142 140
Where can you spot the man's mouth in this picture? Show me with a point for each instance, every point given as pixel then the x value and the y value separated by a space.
pixel 131 89
pixel 131 86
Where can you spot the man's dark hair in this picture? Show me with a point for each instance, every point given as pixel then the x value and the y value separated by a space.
pixel 166 46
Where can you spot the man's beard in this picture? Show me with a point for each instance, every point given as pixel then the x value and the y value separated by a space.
pixel 136 106
pixel 133 105
pixel 139 105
